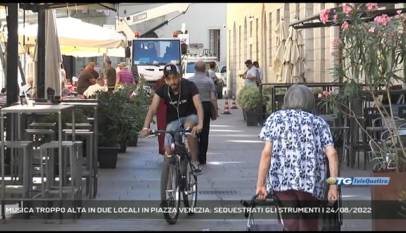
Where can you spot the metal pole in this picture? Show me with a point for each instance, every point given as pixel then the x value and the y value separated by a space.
pixel 12 53
pixel 41 54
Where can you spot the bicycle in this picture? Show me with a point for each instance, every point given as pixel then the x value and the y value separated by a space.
pixel 177 178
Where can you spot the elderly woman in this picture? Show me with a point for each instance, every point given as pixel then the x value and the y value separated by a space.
pixel 293 163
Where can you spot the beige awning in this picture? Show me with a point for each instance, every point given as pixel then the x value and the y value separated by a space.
pixel 75 32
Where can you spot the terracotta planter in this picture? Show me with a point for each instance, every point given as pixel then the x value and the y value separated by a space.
pixel 385 202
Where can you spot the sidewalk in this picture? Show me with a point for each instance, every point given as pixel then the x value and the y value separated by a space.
pixel 231 174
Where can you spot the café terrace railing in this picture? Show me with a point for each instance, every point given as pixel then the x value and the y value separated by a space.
pixel 362 108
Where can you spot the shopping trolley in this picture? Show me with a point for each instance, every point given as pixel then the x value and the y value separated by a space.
pixel 265 225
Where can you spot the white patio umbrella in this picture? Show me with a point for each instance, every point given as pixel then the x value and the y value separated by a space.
pixel 282 33
pixel 78 51
pixel 298 71
pixel 80 39
pixel 52 54
pixel 290 57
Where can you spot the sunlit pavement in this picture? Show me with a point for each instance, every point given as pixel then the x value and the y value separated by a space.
pixel 231 174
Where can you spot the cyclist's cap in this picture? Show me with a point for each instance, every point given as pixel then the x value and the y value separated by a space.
pixel 170 69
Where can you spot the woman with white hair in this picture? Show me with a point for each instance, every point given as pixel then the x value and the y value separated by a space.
pixel 293 163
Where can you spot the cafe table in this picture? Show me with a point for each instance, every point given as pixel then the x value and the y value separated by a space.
pixel 37 109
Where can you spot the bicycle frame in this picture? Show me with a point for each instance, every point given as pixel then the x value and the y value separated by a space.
pixel 180 167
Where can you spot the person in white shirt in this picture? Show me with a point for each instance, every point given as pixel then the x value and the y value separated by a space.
pixel 27 89
pixel 63 81
pixel 251 74
pixel 93 89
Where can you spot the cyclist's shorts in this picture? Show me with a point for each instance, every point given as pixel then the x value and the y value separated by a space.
pixel 176 125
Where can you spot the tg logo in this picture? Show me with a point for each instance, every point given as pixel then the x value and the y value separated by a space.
pixel 339 181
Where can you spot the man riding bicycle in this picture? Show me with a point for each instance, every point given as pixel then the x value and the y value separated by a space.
pixel 183 101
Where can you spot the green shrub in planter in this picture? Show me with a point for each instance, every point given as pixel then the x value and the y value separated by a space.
pixel 112 121
pixel 249 98
pixel 139 104
pixel 135 102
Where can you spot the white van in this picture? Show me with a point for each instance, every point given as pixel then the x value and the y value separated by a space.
pixel 188 65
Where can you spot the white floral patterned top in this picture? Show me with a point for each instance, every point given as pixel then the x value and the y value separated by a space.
pixel 298 161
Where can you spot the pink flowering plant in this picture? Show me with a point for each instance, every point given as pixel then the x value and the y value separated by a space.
pixel 373 51
pixel 373 46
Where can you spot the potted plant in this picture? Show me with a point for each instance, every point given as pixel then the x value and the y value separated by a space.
pixel 371 62
pixel 249 98
pixel 128 118
pixel 139 103
pixel 111 115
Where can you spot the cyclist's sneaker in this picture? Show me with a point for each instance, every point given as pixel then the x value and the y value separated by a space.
pixel 202 166
pixel 197 171
pixel 195 168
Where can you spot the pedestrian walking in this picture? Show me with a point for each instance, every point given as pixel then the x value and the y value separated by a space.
pixel 208 96
pixel 292 164
pixel 218 82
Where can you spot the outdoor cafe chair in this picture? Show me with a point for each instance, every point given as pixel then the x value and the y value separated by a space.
pixel 74 154
pixel 22 162
pixel 88 170
pixel 382 151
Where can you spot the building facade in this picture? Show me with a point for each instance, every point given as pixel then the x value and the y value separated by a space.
pixel 251 35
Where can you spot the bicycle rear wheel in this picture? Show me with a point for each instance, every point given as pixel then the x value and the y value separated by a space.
pixel 189 189
pixel 170 192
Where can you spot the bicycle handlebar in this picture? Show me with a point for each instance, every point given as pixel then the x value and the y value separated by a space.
pixel 172 132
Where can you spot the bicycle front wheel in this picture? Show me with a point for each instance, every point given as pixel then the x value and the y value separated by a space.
pixel 190 188
pixel 170 192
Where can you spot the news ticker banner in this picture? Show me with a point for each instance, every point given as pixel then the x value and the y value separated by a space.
pixel 99 209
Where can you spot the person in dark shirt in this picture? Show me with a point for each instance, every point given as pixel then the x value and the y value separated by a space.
pixel 86 78
pixel 110 75
pixel 183 102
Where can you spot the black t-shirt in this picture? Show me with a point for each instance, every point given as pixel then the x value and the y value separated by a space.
pixel 186 107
